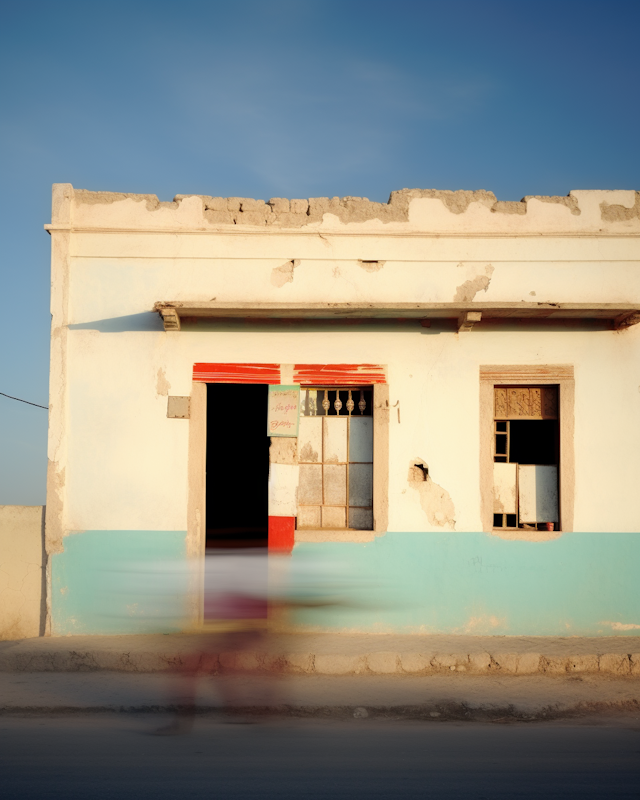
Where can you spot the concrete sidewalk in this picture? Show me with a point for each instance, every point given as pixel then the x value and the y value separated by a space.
pixel 432 697
pixel 337 654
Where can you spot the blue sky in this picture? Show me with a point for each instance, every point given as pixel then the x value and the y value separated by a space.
pixel 288 99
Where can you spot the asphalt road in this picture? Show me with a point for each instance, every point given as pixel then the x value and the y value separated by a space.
pixel 113 757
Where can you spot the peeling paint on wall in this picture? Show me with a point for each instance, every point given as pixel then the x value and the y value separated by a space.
pixel 371 266
pixel 55 504
pixel 467 291
pixel 162 384
pixel 284 274
pixel 150 200
pixel 308 454
pixel 622 626
pixel 435 501
pixel 296 213
pixel 570 202
pixel 509 207
pixel 618 213
pixel 482 625
pixel 283 450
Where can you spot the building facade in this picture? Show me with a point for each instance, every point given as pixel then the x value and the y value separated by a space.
pixel 467 380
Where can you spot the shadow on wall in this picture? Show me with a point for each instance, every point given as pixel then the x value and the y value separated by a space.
pixel 150 321
pixel 147 321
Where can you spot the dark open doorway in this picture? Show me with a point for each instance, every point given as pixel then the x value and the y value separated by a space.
pixel 237 465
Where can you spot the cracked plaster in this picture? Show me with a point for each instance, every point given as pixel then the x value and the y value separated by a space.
pixel 580 210
pixel 435 501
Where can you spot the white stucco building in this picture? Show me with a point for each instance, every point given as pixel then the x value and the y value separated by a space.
pixel 469 375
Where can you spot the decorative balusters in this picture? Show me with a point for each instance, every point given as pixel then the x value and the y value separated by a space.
pixel 331 401
pixel 362 403
pixel 350 403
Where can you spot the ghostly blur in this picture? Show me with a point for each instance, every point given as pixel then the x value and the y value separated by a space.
pixel 233 603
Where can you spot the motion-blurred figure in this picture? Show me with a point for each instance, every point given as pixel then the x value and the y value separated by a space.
pixel 236 606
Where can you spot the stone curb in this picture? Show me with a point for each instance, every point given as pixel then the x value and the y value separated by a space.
pixel 432 712
pixel 374 663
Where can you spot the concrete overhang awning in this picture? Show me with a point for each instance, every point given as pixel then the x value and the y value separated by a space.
pixel 621 315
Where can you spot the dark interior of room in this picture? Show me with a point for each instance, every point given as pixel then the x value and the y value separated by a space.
pixel 533 441
pixel 237 465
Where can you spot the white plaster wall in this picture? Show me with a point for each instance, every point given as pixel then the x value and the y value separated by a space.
pixel 529 270
pixel 126 460
pixel 283 490
pixel 126 463
pixel 21 565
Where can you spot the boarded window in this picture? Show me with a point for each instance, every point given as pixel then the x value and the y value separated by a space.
pixel 335 454
pixel 526 457
pixel 526 402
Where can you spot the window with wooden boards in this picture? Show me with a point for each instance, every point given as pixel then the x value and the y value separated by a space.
pixel 526 457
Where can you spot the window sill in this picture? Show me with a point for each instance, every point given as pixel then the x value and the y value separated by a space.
pixel 520 534
pixel 334 535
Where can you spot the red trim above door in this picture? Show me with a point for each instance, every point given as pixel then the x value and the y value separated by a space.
pixel 236 373
pixel 303 374
pixel 337 374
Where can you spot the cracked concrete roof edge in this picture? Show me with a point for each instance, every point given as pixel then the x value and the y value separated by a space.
pixel 596 207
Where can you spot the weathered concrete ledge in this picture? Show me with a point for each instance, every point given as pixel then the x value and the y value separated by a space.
pixel 407 209
pixel 328 655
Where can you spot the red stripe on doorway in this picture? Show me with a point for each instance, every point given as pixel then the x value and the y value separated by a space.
pixel 303 374
pixel 337 374
pixel 236 373
pixel 281 534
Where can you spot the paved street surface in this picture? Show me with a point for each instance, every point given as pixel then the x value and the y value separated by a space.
pixel 112 756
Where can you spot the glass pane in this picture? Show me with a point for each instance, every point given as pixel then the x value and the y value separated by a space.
pixel 361 484
pixel 334 440
pixel 335 484
pixel 310 485
pixel 310 440
pixel 361 439
pixel 361 519
pixel 333 517
pixel 309 517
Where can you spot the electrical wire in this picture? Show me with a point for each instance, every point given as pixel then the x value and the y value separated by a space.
pixel 37 405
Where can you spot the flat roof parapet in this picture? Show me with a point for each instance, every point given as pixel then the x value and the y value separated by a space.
pixel 410 210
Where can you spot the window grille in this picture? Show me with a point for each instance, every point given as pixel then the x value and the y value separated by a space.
pixel 335 454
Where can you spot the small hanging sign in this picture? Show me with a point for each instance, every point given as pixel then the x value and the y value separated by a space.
pixel 284 410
